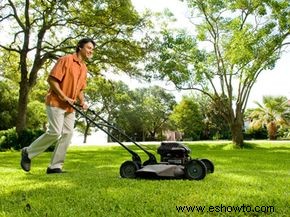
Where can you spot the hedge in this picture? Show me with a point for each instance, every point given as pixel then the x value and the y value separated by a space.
pixel 10 140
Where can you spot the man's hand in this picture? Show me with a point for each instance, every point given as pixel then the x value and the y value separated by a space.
pixel 84 106
pixel 69 100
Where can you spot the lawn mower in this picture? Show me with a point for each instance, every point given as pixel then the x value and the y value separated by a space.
pixel 175 161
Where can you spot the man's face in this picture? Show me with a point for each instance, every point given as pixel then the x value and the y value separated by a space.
pixel 87 51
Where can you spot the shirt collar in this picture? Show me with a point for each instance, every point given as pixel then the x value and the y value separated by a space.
pixel 77 59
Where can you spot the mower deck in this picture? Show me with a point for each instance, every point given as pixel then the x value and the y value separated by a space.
pixel 161 171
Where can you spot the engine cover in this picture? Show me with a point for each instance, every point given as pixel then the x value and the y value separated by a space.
pixel 174 153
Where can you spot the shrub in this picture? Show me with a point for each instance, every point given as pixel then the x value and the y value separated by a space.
pixel 283 133
pixel 28 136
pixel 10 140
pixel 252 133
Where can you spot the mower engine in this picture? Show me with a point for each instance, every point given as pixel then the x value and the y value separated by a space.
pixel 174 153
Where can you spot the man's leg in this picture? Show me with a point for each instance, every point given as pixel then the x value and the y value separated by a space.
pixel 55 119
pixel 60 150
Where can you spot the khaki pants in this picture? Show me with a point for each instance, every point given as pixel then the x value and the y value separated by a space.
pixel 59 132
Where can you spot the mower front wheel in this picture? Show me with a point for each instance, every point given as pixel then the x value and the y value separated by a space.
pixel 195 169
pixel 128 169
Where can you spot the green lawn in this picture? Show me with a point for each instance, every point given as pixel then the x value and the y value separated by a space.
pixel 254 178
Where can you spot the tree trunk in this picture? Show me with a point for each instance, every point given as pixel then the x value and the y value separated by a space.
pixel 272 130
pixel 143 135
pixel 237 131
pixel 152 136
pixel 22 106
pixel 86 131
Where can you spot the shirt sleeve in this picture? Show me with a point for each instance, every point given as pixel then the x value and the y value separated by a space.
pixel 58 71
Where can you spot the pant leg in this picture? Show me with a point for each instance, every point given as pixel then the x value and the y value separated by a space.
pixel 60 150
pixel 55 120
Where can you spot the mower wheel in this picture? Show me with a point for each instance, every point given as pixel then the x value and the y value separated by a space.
pixel 209 165
pixel 128 169
pixel 195 169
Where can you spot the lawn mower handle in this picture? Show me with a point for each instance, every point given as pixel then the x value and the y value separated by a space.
pixel 135 156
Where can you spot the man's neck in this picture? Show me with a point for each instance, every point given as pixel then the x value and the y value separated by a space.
pixel 80 57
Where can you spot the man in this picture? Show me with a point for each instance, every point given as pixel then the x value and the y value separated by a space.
pixel 67 81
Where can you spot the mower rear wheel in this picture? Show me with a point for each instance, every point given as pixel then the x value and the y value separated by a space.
pixel 195 169
pixel 209 165
pixel 128 169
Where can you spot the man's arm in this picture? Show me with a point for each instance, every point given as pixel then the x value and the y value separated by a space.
pixel 81 98
pixel 54 85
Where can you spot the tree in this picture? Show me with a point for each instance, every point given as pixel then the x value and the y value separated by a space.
pixel 235 42
pixel 36 115
pixel 214 125
pixel 274 112
pixel 142 113
pixel 147 114
pixel 8 112
pixel 43 30
pixel 10 78
pixel 106 98
pixel 157 106
pixel 188 118
pixel 8 91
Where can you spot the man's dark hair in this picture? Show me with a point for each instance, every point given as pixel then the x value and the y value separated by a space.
pixel 82 42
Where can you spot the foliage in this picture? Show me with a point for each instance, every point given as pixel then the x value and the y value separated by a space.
pixel 10 140
pixel 34 37
pixel 214 125
pixel 92 186
pixel 36 115
pixel 141 113
pixel 8 99
pixel 147 115
pixel 235 42
pixel 154 106
pixel 188 118
pixel 28 136
pixel 253 133
pixel 271 114
pixel 8 90
pixel 105 98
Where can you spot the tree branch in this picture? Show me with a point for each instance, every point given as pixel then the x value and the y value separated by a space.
pixel 15 15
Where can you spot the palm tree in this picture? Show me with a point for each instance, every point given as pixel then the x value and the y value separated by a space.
pixel 272 113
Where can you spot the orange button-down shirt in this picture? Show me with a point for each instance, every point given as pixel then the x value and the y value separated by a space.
pixel 71 73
